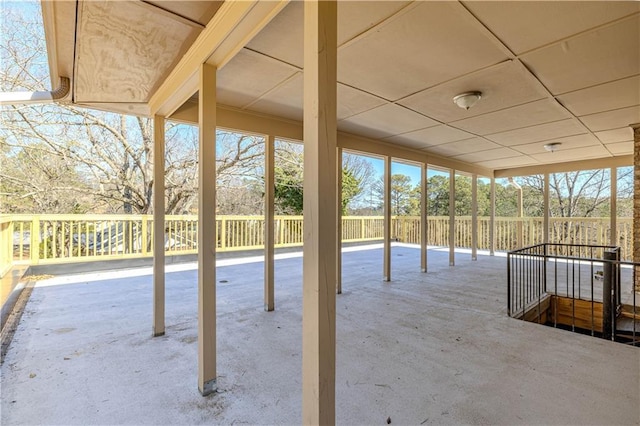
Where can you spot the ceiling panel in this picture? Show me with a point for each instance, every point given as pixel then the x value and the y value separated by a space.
pixel 283 37
pixel 248 76
pixel 199 11
pixel 612 119
pixel 620 148
pixel 431 136
pixel 542 132
pixel 384 121
pixel 614 95
pixel 490 154
pixel 135 47
pixel 562 154
pixel 524 25
pixel 430 44
pixel 467 146
pixel 505 163
pixel 504 85
pixel 596 57
pixel 352 101
pixel 530 114
pixel 355 17
pixel 616 135
pixel 570 142
pixel 285 100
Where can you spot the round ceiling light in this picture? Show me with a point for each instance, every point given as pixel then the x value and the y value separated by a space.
pixel 553 146
pixel 467 100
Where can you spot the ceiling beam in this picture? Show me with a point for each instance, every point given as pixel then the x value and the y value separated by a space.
pixel 230 29
pixel 571 166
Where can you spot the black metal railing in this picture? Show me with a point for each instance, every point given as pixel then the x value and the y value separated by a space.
pixel 584 288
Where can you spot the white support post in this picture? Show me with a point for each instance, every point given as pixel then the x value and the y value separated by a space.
pixel 492 219
pixel 386 264
pixel 320 204
pixel 269 231
pixel 452 217
pixel 613 196
pixel 339 222
pixel 423 217
pixel 158 226
pixel 207 238
pixel 474 217
pixel 545 219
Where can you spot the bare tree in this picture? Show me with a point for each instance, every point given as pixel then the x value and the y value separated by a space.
pixel 62 158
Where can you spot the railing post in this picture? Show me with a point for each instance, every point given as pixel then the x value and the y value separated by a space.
pixel 362 227
pixel 608 295
pixel 223 232
pixel 143 237
pixel 35 240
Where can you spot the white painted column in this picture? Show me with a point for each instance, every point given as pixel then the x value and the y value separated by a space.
pixel 614 206
pixel 545 219
pixel 269 231
pixel 474 217
pixel 320 204
pixel 423 217
pixel 452 217
pixel 386 264
pixel 207 238
pixel 492 219
pixel 158 226
pixel 339 222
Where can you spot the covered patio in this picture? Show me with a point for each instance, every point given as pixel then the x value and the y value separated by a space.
pixel 546 87
pixel 426 349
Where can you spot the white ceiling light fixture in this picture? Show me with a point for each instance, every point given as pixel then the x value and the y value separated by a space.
pixel 553 146
pixel 467 100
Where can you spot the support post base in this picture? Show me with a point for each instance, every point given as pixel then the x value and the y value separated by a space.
pixel 157 333
pixel 209 387
pixel 268 308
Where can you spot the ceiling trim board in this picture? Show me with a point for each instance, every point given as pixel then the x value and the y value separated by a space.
pixel 175 16
pixel 571 166
pixel 229 30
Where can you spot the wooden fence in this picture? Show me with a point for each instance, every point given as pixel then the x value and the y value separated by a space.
pixel 46 239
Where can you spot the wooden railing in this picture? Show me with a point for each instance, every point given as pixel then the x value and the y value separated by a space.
pixel 45 239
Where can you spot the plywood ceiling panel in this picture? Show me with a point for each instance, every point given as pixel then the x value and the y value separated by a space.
pixel 530 114
pixel 615 95
pixel 595 57
pixel 504 85
pixel 524 25
pixel 431 136
pixel 612 119
pixel 542 132
pixel 431 44
pixel 616 135
pixel 134 47
pixel 570 142
pixel 248 76
pixel 384 121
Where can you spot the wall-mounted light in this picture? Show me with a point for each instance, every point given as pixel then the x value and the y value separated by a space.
pixel 467 100
pixel 553 146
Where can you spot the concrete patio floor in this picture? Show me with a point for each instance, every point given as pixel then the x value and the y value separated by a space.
pixel 426 348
